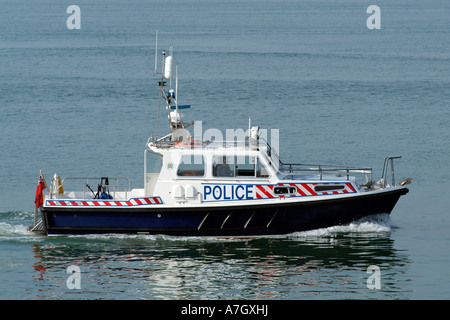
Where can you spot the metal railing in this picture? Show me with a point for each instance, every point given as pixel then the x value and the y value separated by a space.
pixel 389 161
pixel 165 142
pixel 92 186
pixel 324 169
pixel 290 169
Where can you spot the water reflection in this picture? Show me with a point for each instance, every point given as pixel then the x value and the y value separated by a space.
pixel 292 267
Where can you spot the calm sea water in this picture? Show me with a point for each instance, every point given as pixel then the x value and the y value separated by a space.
pixel 83 103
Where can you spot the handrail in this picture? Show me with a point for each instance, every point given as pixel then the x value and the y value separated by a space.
pixel 323 168
pixel 116 184
pixel 163 142
pixel 293 168
pixel 387 161
pixel 290 168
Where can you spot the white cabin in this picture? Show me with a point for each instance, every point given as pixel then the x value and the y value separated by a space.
pixel 191 173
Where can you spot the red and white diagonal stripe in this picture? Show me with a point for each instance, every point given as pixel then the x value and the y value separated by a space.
pixel 105 203
pixel 264 191
pixel 303 189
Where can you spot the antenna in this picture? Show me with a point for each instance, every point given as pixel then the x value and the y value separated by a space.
pixel 156 53
pixel 176 85
pixel 171 97
pixel 249 128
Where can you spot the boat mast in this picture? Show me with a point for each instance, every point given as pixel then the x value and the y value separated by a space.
pixel 173 109
pixel 171 100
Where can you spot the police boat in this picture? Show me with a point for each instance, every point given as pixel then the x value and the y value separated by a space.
pixel 214 188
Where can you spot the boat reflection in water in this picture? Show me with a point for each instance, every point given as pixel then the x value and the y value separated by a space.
pixel 316 264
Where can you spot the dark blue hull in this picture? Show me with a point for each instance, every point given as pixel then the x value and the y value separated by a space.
pixel 224 221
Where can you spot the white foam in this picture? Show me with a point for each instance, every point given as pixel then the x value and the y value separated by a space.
pixel 7 229
pixel 366 226
pixel 376 224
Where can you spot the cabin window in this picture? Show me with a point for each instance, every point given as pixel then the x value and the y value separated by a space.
pixel 245 166
pixel 328 187
pixel 223 166
pixel 238 166
pixel 261 170
pixel 284 190
pixel 191 165
pixel 154 162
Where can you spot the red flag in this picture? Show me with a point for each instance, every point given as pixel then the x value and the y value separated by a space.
pixel 39 199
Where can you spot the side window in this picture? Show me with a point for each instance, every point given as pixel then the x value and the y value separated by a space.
pixel 245 166
pixel 154 162
pixel 238 166
pixel 223 166
pixel 261 171
pixel 284 190
pixel 191 165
